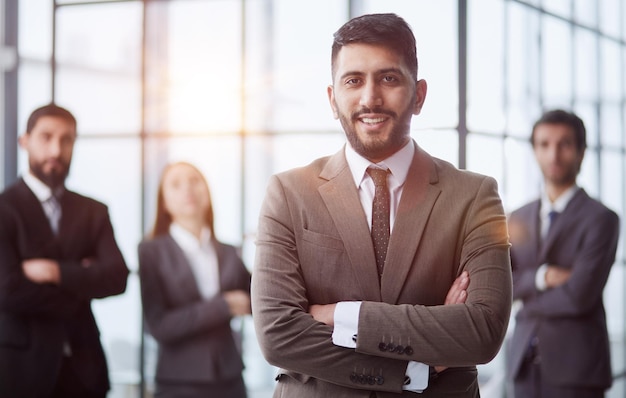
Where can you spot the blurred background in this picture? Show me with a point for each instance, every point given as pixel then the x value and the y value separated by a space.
pixel 238 87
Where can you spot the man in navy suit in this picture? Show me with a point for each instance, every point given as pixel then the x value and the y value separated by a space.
pixel 563 247
pixel 57 253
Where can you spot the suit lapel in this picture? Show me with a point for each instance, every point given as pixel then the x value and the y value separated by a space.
pixel 342 201
pixel 418 199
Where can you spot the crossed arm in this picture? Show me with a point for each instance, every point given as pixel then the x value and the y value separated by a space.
pixel 457 294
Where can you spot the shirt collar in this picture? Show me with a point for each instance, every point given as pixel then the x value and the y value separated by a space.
pixel 560 203
pixel 41 190
pixel 188 241
pixel 398 163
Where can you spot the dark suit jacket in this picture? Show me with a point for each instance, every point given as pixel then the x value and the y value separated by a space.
pixel 568 320
pixel 195 339
pixel 36 319
pixel 314 247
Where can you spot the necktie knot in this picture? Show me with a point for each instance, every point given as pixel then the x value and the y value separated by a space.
pixel 379 176
pixel 552 216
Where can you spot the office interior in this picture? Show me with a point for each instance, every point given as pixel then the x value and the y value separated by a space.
pixel 238 87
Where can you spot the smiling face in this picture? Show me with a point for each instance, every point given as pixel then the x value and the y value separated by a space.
pixel 374 96
pixel 50 145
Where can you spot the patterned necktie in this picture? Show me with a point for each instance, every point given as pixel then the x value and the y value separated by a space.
pixel 52 208
pixel 380 216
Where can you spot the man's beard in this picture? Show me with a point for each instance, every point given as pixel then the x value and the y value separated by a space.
pixel 379 148
pixel 55 178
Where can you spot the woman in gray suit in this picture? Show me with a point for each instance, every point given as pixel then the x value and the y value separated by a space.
pixel 192 285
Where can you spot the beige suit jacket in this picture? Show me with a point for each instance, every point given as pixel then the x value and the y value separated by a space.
pixel 314 247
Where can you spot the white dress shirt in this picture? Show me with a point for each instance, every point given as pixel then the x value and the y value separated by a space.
pixel 346 316
pixel 201 256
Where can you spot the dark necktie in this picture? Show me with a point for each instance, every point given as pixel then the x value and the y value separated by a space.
pixel 380 216
pixel 552 216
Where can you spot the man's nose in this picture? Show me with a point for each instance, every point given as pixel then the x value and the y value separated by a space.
pixel 371 96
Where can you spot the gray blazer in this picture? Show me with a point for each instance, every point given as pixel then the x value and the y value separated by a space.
pixel 569 320
pixel 195 340
pixel 314 247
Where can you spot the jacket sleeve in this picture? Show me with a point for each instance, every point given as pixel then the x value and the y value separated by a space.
pixel 104 272
pixel 18 295
pixel 590 272
pixel 167 322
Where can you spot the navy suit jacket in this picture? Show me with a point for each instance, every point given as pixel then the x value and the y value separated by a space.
pixel 569 320
pixel 195 339
pixel 36 320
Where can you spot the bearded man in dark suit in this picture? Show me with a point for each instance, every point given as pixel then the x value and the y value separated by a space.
pixel 57 253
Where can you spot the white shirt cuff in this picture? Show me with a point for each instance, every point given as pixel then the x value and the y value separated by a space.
pixel 418 377
pixel 540 277
pixel 346 320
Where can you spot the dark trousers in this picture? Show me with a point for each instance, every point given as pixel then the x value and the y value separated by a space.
pixel 69 384
pixel 530 384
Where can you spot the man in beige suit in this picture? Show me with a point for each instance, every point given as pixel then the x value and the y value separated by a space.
pixel 339 323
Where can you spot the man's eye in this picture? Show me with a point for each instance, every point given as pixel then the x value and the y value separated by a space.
pixel 389 79
pixel 352 81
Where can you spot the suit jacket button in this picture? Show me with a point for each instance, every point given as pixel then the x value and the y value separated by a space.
pixel 353 377
pixel 382 346
pixel 399 349
pixel 408 350
pixel 391 347
pixel 362 379
pixel 380 380
pixel 371 380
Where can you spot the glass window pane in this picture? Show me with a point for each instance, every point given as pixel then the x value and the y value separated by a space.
pixel 556 62
pixel 194 66
pixel 485 156
pixel 443 144
pixel 612 131
pixel 611 21
pixel 99 68
pixel 522 70
pixel 34 29
pixel 109 171
pixel 522 179
pixel 612 75
pixel 562 8
pixel 485 101
pixel 301 63
pixel 436 31
pixel 103 103
pixel 34 89
pixel 586 12
pixel 586 69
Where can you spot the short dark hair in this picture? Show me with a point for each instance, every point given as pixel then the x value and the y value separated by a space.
pixel 385 29
pixel 49 110
pixel 559 116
